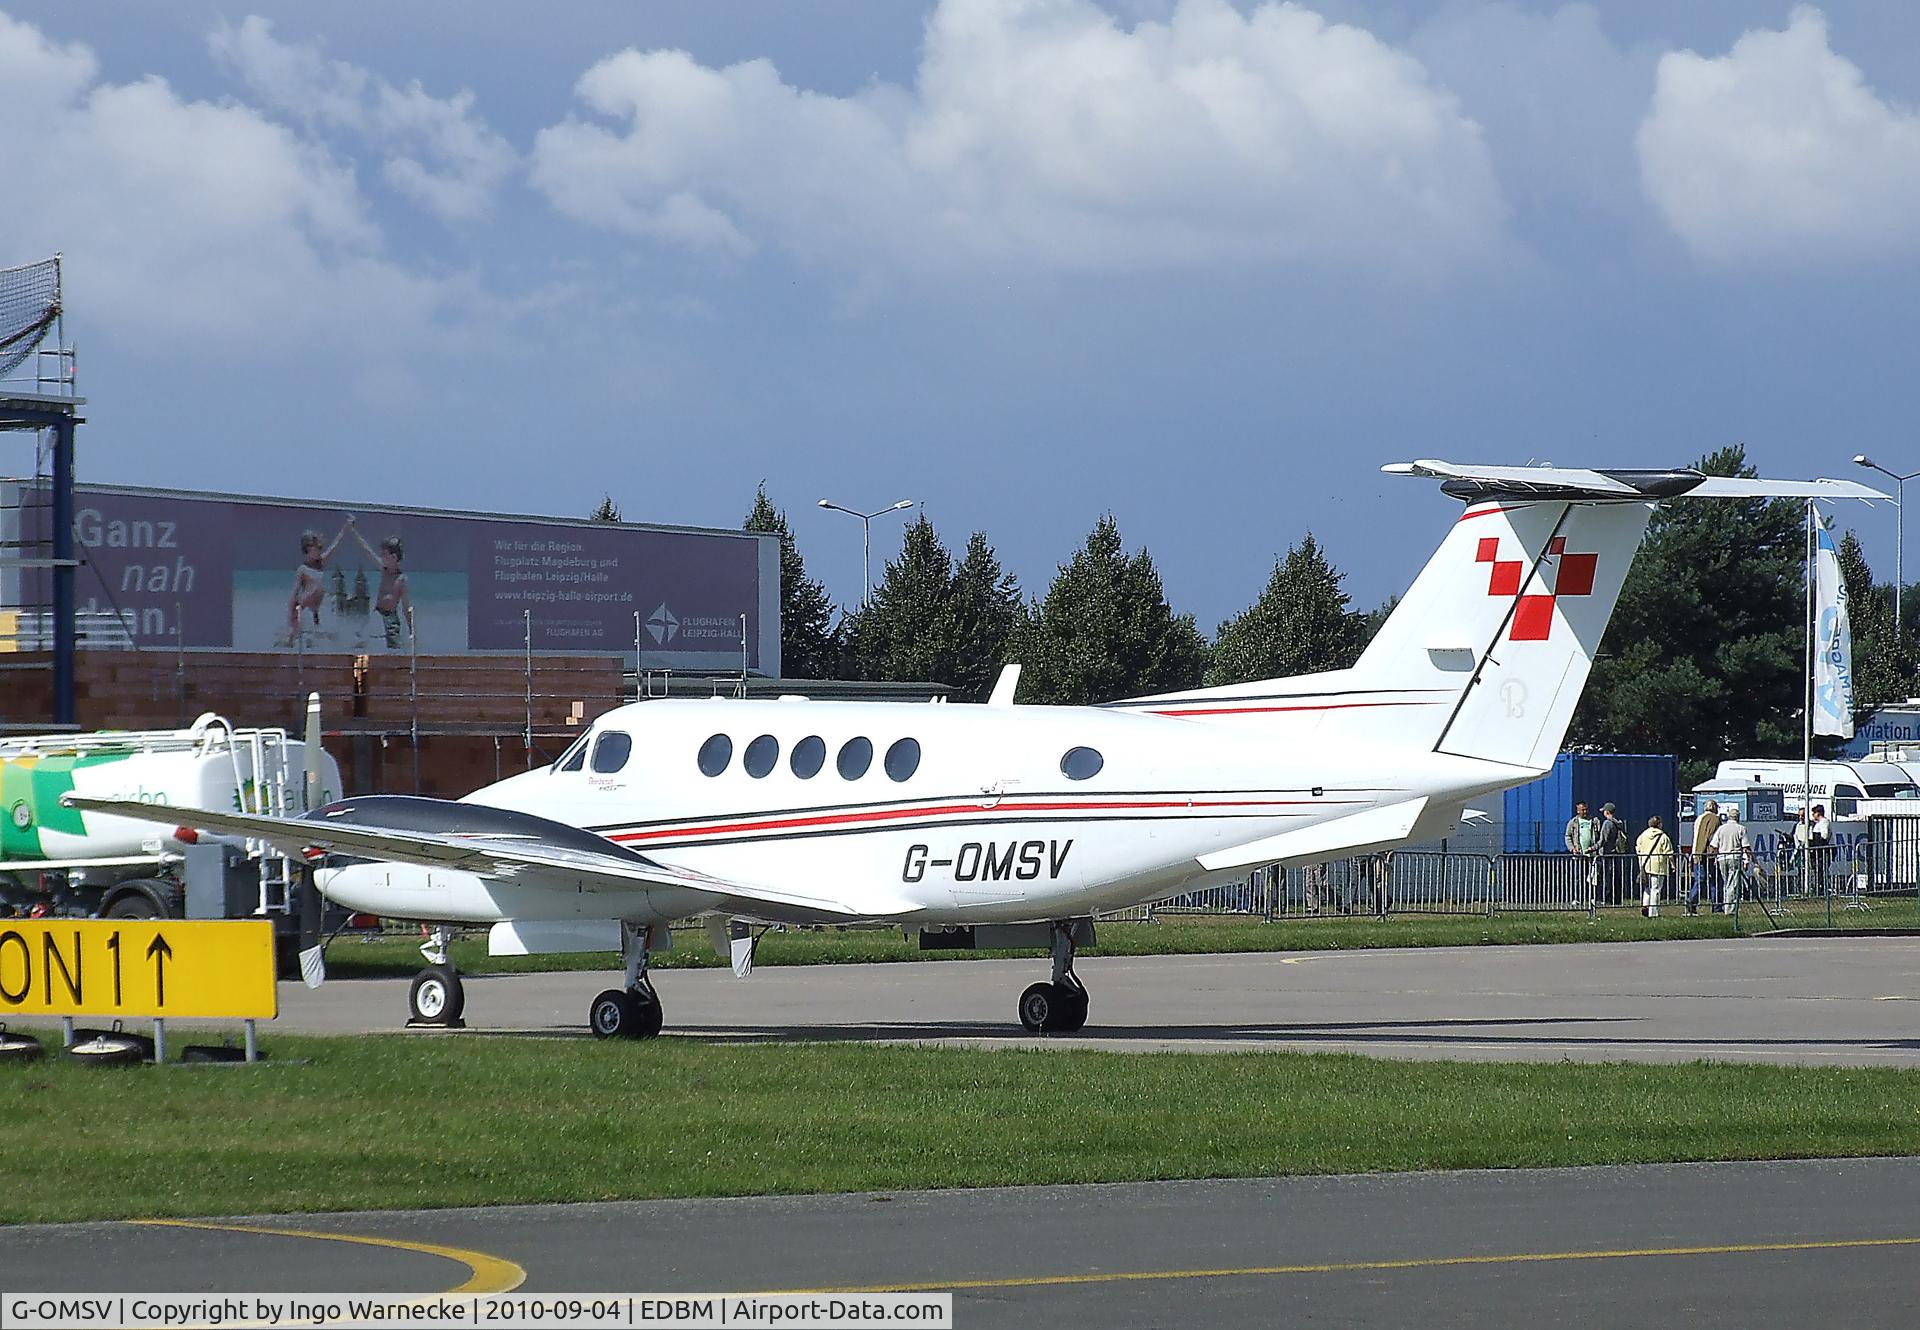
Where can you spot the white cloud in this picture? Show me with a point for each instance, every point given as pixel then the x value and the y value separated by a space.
pixel 1044 132
pixel 188 219
pixel 439 151
pixel 1780 149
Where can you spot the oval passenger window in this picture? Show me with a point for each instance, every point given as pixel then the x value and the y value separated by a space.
pixel 761 756
pixel 903 759
pixel 715 753
pixel 856 755
pixel 610 751
pixel 809 755
pixel 1080 763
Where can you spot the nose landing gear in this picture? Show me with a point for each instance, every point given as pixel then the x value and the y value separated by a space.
pixel 1059 1006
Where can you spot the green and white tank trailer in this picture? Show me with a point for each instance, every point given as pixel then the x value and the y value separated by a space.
pixel 60 861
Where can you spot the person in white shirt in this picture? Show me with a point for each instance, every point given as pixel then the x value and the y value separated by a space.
pixel 1815 841
pixel 1731 852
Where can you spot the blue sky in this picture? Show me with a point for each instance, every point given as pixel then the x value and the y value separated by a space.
pixel 1206 266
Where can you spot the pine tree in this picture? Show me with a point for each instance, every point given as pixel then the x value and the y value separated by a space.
pixel 606 511
pixel 1105 629
pixel 1301 624
pixel 983 610
pixel 809 648
pixel 1883 665
pixel 901 632
pixel 1705 654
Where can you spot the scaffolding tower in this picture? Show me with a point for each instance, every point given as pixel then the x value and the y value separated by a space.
pixel 38 561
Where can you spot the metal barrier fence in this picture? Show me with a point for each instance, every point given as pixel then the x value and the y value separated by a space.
pixel 1439 882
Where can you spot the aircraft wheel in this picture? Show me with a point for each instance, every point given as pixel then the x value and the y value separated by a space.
pixel 652 1014
pixel 1072 1002
pixel 1037 1007
pixel 437 996
pixel 614 1015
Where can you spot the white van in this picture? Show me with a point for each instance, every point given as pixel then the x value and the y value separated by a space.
pixel 1839 786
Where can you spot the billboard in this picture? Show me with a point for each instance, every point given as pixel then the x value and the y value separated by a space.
pixel 166 568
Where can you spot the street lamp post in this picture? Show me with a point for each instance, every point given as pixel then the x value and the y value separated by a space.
pixel 1899 531
pixel 866 540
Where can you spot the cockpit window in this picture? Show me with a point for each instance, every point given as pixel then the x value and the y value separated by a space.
pixel 575 755
pixel 611 750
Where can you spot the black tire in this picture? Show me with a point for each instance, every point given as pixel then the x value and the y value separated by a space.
pixel 1037 1007
pixel 140 1041
pixel 652 1014
pixel 214 1053
pixel 19 1048
pixel 614 1015
pixel 133 905
pixel 105 1049
pixel 1073 1002
pixel 437 997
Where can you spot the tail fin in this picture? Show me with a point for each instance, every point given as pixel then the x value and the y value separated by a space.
pixel 1488 653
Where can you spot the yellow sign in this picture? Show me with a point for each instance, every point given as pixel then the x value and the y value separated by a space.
pixel 144 967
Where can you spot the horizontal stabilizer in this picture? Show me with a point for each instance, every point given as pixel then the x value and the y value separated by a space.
pixel 1371 829
pixel 1557 482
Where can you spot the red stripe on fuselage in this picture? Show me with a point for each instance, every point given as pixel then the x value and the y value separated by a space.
pixel 1318 706
pixel 936 810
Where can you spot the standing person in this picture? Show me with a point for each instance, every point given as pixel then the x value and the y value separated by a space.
pixel 1655 852
pixel 1701 879
pixel 1814 838
pixel 1583 842
pixel 1614 847
pixel 1731 851
pixel 1314 879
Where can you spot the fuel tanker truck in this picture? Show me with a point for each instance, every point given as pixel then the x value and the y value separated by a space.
pixel 61 862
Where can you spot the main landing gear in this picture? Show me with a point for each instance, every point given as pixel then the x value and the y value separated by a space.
pixel 632 1013
pixel 1061 1005
pixel 437 997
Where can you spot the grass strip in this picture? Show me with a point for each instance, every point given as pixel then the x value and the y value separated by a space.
pixel 395 956
pixel 387 1121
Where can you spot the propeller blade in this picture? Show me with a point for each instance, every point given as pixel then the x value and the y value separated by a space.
pixel 311 788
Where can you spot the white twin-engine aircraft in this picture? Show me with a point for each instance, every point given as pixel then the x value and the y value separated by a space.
pixel 1004 825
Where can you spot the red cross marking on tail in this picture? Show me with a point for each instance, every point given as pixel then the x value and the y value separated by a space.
pixel 1565 574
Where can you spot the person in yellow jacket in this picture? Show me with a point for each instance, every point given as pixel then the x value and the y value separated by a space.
pixel 1655 852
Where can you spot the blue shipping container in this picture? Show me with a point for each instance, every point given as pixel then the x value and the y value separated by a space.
pixel 1639 784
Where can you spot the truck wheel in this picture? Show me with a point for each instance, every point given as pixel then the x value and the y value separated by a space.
pixel 134 905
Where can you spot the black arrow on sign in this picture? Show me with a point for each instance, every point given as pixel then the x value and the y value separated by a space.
pixel 161 952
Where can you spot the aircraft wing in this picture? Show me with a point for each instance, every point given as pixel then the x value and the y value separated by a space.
pixel 520 856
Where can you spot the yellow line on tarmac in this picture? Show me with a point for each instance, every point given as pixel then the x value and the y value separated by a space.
pixel 487 1274
pixel 1422 1263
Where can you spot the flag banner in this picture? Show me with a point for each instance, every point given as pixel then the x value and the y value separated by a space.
pixel 1832 642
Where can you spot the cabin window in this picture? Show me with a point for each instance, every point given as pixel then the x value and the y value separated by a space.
pixel 575 756
pixel 903 759
pixel 761 756
pixel 809 755
pixel 856 755
pixel 1846 800
pixel 715 753
pixel 1081 763
pixel 611 750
